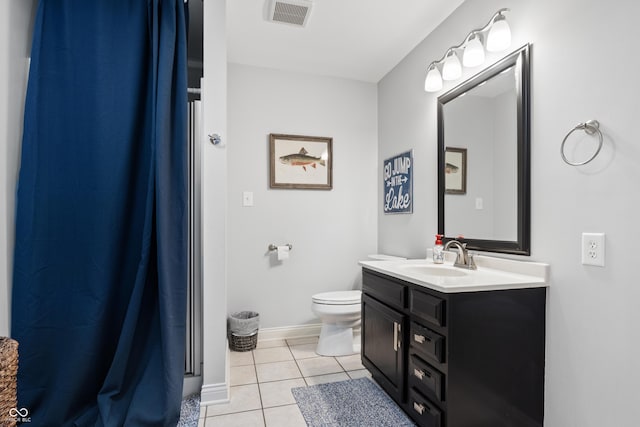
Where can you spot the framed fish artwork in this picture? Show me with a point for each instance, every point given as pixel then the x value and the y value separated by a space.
pixel 300 162
pixel 455 170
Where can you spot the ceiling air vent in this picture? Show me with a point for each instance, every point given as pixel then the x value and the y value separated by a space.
pixel 293 12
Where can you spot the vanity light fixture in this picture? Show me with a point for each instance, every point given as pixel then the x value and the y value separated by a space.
pixel 433 82
pixel 473 52
pixel 452 69
pixel 498 38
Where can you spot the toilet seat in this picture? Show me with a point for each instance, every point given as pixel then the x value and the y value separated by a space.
pixel 338 298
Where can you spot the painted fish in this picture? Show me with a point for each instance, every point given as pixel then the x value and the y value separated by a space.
pixel 303 159
pixel 449 168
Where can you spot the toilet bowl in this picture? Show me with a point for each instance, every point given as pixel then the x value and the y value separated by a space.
pixel 340 314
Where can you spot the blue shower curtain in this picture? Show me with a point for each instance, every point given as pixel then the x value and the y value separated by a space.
pixel 99 291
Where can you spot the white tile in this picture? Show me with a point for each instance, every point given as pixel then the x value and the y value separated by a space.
pixel 304 351
pixel 289 416
pixel 350 363
pixel 360 373
pixel 303 340
pixel 243 398
pixel 328 378
pixel 201 422
pixel 242 419
pixel 273 354
pixel 243 375
pixel 278 393
pixel 271 343
pixel 240 358
pixel 319 366
pixel 278 371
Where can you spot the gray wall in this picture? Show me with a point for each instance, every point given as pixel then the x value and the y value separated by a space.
pixel 16 26
pixel 581 69
pixel 330 230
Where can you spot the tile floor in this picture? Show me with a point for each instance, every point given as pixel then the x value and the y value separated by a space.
pixel 262 379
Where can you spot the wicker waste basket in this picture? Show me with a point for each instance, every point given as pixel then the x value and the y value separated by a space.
pixel 243 330
pixel 8 380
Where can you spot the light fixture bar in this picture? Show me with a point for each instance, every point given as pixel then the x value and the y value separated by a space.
pixel 473 41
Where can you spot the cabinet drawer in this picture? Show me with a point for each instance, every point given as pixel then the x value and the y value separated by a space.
pixel 428 307
pixel 427 342
pixel 386 290
pixel 426 378
pixel 424 412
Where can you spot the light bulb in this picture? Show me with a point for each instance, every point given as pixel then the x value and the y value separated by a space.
pixel 499 37
pixel 452 69
pixel 473 52
pixel 433 82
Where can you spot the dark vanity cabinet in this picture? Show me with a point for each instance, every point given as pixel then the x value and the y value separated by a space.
pixel 382 334
pixel 469 359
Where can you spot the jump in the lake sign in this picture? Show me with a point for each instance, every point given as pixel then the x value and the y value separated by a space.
pixel 398 184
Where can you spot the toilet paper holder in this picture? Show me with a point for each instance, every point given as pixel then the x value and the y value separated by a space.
pixel 273 247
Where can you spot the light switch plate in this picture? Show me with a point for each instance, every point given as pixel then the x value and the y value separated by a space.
pixel 247 198
pixel 593 249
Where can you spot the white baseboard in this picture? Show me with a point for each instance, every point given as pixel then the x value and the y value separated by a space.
pixel 288 332
pixel 212 394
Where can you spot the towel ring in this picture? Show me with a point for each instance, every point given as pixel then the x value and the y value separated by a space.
pixel 590 127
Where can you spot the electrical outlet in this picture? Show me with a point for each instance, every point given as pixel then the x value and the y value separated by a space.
pixel 593 249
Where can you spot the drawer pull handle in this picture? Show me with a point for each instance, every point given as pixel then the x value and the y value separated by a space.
pixel 420 338
pixel 420 373
pixel 419 407
pixel 396 341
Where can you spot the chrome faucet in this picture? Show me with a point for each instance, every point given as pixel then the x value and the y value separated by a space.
pixel 463 260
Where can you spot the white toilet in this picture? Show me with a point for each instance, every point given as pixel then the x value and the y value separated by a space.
pixel 340 314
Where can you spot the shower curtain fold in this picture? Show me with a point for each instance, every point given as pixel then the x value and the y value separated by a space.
pixel 100 266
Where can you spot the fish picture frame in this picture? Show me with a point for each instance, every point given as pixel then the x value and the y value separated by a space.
pixel 455 172
pixel 300 162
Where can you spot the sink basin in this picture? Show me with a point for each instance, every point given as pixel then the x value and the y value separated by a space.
pixel 435 271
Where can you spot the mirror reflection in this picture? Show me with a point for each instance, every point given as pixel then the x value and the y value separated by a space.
pixel 482 122
pixel 483 155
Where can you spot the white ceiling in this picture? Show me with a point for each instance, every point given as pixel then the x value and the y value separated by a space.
pixel 354 39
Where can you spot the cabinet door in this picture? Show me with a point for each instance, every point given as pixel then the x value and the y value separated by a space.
pixel 382 331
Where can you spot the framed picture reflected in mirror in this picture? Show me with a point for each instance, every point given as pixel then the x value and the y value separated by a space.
pixel 455 170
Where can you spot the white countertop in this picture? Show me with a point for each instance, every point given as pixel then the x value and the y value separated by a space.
pixel 492 274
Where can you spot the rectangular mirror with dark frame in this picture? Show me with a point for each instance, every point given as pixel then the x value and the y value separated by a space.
pixel 487 118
